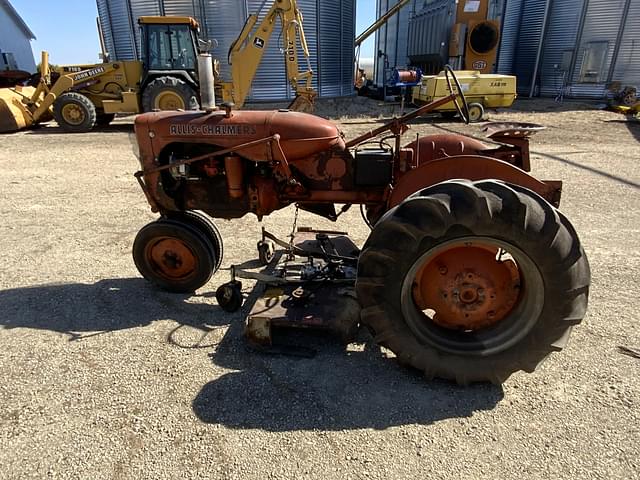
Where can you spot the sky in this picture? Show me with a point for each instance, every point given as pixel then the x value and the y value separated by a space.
pixel 67 30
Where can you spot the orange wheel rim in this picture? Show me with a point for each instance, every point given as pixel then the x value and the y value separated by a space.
pixel 171 258
pixel 468 286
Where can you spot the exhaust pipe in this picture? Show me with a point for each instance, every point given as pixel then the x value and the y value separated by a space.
pixel 207 82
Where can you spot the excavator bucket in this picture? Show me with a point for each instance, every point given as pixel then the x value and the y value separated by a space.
pixel 303 103
pixel 14 114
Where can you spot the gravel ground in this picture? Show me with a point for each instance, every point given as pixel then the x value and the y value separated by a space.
pixel 105 377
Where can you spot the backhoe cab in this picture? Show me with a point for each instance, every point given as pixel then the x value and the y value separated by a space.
pixel 169 63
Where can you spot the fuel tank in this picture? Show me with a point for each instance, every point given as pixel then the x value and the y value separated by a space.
pixel 301 135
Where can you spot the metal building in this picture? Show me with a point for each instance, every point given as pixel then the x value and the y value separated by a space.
pixel 573 47
pixel 329 26
pixel 418 35
pixel 391 40
pixel 15 40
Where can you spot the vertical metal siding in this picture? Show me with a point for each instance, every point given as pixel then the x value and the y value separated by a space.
pixel 510 36
pixel 143 8
pixel 528 42
pixel 601 24
pixel 347 47
pixel 392 38
pixel 117 28
pixel 105 24
pixel 222 20
pixel 627 67
pixel 430 29
pixel 561 36
pixel 224 29
pixel 270 81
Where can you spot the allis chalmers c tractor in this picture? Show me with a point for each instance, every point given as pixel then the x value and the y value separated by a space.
pixel 470 273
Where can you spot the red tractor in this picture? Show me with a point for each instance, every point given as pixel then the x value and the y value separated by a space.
pixel 470 273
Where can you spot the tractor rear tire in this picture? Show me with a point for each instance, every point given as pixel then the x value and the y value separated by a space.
pixel 437 238
pixel 169 93
pixel 206 227
pixel 173 256
pixel 74 112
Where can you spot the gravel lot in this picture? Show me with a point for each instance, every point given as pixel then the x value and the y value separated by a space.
pixel 105 377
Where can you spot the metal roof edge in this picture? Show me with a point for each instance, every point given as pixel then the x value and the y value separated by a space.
pixel 19 21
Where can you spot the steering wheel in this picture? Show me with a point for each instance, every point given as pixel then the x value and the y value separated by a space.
pixel 461 106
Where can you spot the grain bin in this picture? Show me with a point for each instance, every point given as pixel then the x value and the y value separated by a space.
pixel 329 26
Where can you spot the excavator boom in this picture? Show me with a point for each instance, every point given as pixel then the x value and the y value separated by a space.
pixel 247 51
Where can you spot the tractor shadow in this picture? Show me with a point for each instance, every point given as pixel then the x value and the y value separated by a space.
pixel 52 128
pixel 84 310
pixel 339 388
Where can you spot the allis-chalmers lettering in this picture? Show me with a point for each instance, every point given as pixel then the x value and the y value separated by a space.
pixel 226 130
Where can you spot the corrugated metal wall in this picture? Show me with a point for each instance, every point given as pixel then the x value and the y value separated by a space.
pixel 510 35
pixel 560 39
pixel 627 67
pixel 575 30
pixel 329 27
pixel 528 43
pixel 602 24
pixel 429 32
pixel 392 39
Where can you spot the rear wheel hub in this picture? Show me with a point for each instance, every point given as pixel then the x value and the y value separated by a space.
pixel 467 287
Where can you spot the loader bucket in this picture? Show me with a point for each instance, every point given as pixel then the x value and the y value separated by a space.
pixel 14 114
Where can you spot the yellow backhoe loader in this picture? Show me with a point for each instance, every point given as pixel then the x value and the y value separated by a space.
pixel 80 97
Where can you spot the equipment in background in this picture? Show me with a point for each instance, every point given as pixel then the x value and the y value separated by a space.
pixel 361 80
pixel 404 79
pixel 80 97
pixel 481 91
pixel 247 50
pixel 475 38
pixel 470 273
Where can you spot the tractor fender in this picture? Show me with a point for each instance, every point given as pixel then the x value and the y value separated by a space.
pixel 470 167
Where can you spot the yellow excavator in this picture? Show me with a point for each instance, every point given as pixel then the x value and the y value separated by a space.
pixel 80 97
pixel 246 54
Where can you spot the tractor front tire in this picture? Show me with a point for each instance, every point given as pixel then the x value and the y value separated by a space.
pixel 173 256
pixel 473 281
pixel 74 112
pixel 169 93
pixel 206 227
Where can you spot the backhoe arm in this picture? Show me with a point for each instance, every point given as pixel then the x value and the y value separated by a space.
pixel 247 51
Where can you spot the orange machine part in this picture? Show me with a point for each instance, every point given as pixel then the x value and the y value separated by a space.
pixel 467 287
pixel 171 258
pixel 233 166
pixel 481 49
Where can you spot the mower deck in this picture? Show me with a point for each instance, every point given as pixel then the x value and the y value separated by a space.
pixel 312 286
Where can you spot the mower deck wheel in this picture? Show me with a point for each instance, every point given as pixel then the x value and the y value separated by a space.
pixel 229 296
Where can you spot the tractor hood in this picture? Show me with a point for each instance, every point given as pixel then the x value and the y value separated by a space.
pixel 301 135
